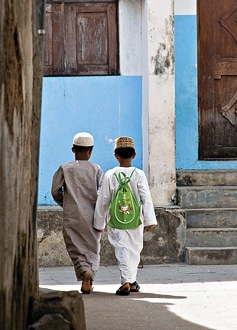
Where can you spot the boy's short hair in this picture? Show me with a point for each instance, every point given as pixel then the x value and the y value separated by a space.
pixel 125 152
pixel 124 147
pixel 82 148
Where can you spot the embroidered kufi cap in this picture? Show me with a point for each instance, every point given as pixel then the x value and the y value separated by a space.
pixel 83 139
pixel 123 142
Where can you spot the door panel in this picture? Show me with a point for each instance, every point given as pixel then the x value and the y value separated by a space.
pixel 217 79
pixel 81 38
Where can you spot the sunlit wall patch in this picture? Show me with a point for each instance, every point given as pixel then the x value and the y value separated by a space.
pixel 185 7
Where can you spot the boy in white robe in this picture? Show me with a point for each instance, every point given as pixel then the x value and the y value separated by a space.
pixel 127 243
pixel 75 188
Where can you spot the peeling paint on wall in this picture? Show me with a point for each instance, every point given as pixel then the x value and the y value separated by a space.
pixel 109 140
pixel 164 59
pixel 161 60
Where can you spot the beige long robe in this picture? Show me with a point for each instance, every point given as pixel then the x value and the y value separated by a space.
pixel 75 187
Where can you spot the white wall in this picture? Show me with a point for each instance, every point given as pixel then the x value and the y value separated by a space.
pixel 185 7
pixel 147 49
pixel 158 99
pixel 130 37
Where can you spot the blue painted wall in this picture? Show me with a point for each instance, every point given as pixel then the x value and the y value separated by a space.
pixel 107 107
pixel 186 98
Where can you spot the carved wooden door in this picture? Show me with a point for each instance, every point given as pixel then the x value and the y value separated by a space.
pixel 217 79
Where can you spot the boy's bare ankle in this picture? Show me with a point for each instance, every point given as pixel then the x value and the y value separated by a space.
pixel 126 285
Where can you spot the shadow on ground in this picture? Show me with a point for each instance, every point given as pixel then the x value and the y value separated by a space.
pixel 137 311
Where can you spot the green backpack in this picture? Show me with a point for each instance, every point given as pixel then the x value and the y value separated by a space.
pixel 124 208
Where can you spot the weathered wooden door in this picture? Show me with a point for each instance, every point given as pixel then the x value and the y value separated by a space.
pixel 81 38
pixel 217 79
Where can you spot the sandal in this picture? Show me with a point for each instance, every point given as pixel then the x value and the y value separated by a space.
pixel 134 287
pixel 86 283
pixel 124 290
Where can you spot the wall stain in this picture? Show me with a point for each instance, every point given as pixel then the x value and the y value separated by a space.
pixel 164 58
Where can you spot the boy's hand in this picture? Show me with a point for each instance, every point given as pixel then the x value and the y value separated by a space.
pixel 148 228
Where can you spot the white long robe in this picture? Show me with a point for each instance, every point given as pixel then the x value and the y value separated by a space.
pixel 128 243
pixel 75 187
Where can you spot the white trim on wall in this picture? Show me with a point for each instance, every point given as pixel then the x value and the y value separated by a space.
pixel 146 46
pixel 185 7
pixel 130 37
pixel 158 100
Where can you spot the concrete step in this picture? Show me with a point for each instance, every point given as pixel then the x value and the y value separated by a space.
pixel 204 178
pixel 211 255
pixel 207 237
pixel 212 218
pixel 207 197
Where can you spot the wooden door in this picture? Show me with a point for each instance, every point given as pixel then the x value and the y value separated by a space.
pixel 217 79
pixel 81 38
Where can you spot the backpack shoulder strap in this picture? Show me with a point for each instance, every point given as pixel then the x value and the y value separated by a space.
pixel 132 172
pixel 122 178
pixel 116 176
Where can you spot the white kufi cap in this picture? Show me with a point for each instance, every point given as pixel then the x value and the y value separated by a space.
pixel 83 139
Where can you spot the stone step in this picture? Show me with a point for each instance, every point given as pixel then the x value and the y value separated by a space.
pixel 207 237
pixel 207 197
pixel 211 255
pixel 212 218
pixel 204 178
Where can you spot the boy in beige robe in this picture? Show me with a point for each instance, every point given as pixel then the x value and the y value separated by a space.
pixel 75 186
